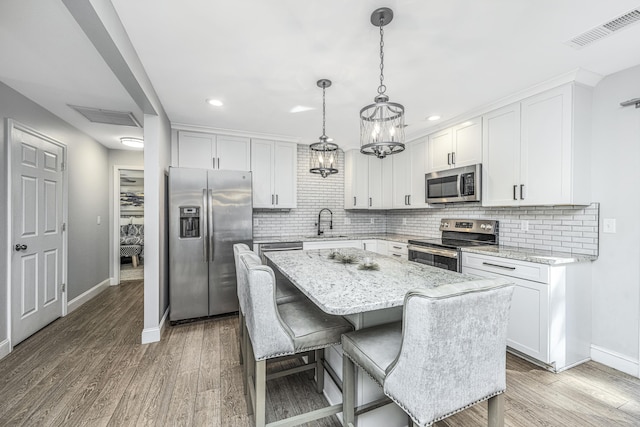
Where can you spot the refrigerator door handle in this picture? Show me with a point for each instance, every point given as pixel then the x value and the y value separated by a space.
pixel 205 226
pixel 211 239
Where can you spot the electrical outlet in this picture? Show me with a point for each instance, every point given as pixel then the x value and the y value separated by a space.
pixel 404 221
pixel 372 222
pixel 99 220
pixel 524 225
pixel 609 225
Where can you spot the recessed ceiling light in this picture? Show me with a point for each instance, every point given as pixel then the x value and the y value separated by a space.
pixel 215 102
pixel 434 117
pixel 132 142
pixel 300 109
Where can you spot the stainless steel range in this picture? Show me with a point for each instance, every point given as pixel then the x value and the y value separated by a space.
pixel 456 234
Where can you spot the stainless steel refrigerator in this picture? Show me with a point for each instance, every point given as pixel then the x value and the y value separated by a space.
pixel 210 211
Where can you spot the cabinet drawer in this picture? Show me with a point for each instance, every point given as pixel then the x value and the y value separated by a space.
pixel 397 250
pixel 507 267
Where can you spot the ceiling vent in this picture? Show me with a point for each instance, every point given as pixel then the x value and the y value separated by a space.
pixel 108 117
pixel 606 29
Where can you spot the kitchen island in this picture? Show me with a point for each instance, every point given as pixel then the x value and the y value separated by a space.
pixel 366 298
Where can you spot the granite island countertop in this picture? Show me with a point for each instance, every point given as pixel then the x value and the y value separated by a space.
pixel 401 238
pixel 344 289
pixel 530 255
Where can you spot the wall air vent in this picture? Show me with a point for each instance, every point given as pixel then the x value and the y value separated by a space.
pixel 96 115
pixel 605 30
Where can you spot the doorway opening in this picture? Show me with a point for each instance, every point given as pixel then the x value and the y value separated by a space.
pixel 129 256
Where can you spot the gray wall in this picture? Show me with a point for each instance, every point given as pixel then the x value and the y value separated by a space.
pixel 88 184
pixel 615 173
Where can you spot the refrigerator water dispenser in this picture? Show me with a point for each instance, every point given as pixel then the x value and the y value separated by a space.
pixel 189 222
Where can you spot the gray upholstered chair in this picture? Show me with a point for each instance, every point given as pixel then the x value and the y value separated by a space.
pixel 448 353
pixel 277 330
pixel 241 279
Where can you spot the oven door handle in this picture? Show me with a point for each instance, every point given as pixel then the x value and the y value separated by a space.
pixel 449 253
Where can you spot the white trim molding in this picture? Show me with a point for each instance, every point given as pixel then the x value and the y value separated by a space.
pixel 5 348
pixel 87 295
pixel 150 335
pixel 614 360
pixel 232 132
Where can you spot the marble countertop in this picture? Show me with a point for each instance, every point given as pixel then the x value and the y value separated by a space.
pixel 530 255
pixel 401 238
pixel 343 289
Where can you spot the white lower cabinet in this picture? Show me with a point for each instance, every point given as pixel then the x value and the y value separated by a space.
pixel 397 250
pixel 550 318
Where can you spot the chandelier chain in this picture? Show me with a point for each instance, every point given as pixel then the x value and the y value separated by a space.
pixel 323 111
pixel 382 88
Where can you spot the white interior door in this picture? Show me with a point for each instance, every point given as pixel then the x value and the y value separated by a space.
pixel 37 259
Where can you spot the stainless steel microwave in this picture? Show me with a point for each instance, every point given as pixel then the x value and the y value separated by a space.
pixel 454 185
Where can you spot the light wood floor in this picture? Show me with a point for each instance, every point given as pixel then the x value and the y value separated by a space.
pixel 89 368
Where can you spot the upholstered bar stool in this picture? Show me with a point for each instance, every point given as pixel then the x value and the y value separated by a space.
pixel 241 279
pixel 276 330
pixel 448 353
pixel 285 292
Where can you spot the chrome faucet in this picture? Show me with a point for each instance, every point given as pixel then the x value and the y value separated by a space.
pixel 320 232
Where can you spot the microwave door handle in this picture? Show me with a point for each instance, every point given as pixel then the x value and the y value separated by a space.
pixel 460 185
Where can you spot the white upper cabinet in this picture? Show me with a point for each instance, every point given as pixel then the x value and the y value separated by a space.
pixel 356 180
pixel 380 183
pixel 209 151
pixel 440 149
pixel 501 166
pixel 457 146
pixel 409 168
pixel 536 152
pixel 274 174
pixel 367 181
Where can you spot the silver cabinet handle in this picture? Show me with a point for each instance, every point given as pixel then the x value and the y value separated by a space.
pixel 354 200
pixel 449 158
pixel 397 247
pixel 498 265
pixel 521 191
pixel 409 200
pixel 515 188
pixel 453 158
pixel 398 255
pixel 276 199
pixel 370 202
pixel 218 162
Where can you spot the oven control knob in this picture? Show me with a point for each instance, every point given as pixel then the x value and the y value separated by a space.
pixel 483 226
pixel 489 227
pixel 445 224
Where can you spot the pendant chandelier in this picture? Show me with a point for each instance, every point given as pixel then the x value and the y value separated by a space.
pixel 382 123
pixel 323 154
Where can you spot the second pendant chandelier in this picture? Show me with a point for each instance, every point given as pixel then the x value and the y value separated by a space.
pixel 323 154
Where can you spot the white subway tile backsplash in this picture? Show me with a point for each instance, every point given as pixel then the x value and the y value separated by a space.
pixel 555 228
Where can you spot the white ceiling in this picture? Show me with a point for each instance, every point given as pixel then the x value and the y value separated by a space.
pixel 262 58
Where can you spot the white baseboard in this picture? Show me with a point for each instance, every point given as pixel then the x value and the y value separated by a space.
pixel 5 348
pixel 150 335
pixel 615 360
pixel 86 296
pixel 113 282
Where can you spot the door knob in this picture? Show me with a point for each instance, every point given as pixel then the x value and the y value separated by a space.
pixel 21 247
